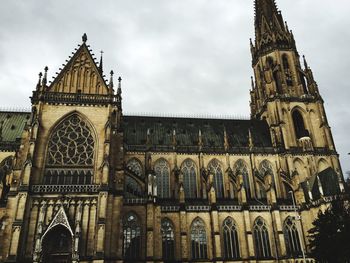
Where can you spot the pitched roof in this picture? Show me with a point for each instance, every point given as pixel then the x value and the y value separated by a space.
pixel 13 124
pixel 158 133
pixel 80 75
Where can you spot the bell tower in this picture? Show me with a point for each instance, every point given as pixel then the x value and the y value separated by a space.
pixel 283 92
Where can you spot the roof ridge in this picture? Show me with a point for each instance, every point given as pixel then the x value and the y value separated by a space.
pixel 186 115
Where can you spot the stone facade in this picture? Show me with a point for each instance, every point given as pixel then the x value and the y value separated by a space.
pixel 81 182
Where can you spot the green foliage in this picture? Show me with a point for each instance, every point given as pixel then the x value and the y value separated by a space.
pixel 330 236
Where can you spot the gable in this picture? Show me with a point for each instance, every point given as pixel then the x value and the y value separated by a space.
pixel 80 75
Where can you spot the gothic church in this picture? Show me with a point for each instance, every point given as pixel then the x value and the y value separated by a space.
pixel 81 182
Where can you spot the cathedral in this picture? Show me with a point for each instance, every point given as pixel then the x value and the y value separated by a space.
pixel 82 182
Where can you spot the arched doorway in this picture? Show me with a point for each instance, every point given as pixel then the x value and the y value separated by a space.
pixel 57 246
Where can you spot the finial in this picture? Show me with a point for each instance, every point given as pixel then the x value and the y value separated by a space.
pixel 111 84
pixel 45 76
pixel 119 91
pixel 100 66
pixel 84 38
pixel 252 82
pixel 39 82
pixel 305 62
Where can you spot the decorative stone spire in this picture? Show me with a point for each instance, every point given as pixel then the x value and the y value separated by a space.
pixel 39 81
pixel 84 38
pixel 119 93
pixel 44 82
pixel 100 66
pixel 305 63
pixel 111 84
pixel 270 29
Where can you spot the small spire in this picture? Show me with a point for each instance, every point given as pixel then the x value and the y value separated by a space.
pixel 84 38
pixel 305 62
pixel 45 77
pixel 39 81
pixel 111 84
pixel 251 143
pixel 252 83
pixel 100 66
pixel 119 92
pixel 226 143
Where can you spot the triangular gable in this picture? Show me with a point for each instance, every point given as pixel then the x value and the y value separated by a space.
pixel 80 75
pixel 59 219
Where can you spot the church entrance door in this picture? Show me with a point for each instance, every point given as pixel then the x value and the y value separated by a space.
pixel 57 246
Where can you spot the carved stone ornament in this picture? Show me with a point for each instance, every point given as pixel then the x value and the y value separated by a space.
pixel 59 219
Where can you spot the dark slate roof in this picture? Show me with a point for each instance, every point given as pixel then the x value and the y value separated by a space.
pixel 13 124
pixel 161 129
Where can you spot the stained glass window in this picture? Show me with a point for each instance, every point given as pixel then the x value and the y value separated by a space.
pixel 230 237
pixel 291 237
pixel 188 170
pixel 70 155
pixel 162 171
pixel 168 239
pixel 198 240
pixel 131 237
pixel 215 168
pixel 261 239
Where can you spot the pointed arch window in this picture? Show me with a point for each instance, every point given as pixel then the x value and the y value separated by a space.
pixel 215 168
pixel 230 237
pixel 135 167
pixel 261 239
pixel 292 238
pixel 188 170
pixel 168 239
pixel 287 70
pixel 299 125
pixel 240 168
pixel 199 246
pixel 70 154
pixel 162 170
pixel 131 237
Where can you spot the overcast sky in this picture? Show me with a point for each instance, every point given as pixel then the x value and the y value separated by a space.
pixel 179 56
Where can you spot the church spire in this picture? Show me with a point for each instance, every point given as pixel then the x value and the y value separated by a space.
pixel 271 31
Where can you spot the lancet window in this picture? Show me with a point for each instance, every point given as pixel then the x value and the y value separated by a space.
pixel 292 238
pixel 299 125
pixel 199 245
pixel 162 170
pixel 287 70
pixel 240 168
pixel 188 170
pixel 70 154
pixel 168 239
pixel 261 239
pixel 131 237
pixel 230 238
pixel 215 168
